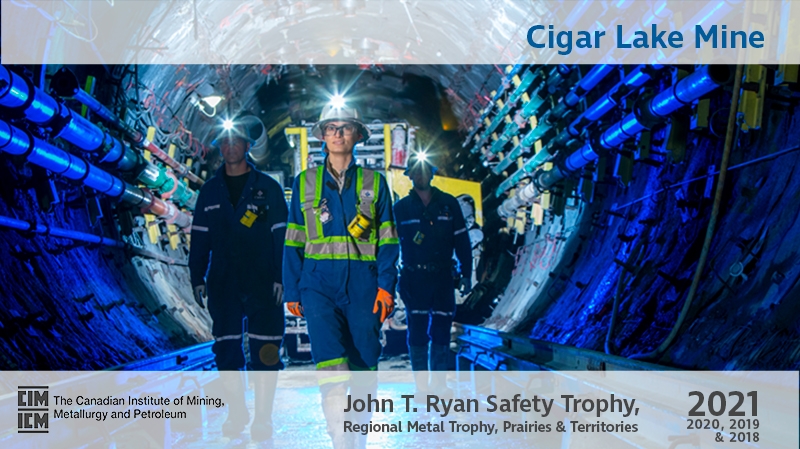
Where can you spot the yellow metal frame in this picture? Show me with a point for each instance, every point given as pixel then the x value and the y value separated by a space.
pixel 401 185
pixel 751 105
pixel 303 132
pixel 387 145
pixel 151 135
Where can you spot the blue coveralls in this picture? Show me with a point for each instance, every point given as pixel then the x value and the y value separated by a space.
pixel 428 236
pixel 245 261
pixel 334 276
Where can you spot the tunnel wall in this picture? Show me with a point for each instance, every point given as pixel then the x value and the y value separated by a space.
pixel 66 305
pixel 743 322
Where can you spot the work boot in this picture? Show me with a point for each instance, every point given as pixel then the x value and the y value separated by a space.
pixel 439 357
pixel 265 384
pixel 238 417
pixel 334 399
pixel 362 385
pixel 419 365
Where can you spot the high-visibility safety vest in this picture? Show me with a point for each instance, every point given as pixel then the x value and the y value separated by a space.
pixel 311 237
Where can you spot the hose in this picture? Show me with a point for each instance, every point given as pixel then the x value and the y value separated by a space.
pixel 633 259
pixel 712 222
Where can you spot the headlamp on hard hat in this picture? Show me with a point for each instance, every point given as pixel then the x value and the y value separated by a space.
pixel 231 129
pixel 420 160
pixel 338 111
pixel 338 101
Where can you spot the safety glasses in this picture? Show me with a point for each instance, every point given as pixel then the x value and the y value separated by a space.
pixel 347 129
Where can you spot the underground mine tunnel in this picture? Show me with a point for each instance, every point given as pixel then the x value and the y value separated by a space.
pixel 588 192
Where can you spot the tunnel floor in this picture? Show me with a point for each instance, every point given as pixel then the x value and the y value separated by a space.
pixel 299 422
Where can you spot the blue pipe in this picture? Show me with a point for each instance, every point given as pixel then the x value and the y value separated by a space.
pixel 65 84
pixel 621 131
pixel 41 228
pixel 580 158
pixel 15 92
pixel 587 83
pixel 654 110
pixel 36 151
pixel 17 142
pixel 636 78
pixel 40 108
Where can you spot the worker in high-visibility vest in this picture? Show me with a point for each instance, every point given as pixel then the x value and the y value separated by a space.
pixel 339 266
pixel 431 228
pixel 236 261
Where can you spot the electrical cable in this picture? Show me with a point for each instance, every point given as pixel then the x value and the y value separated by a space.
pixel 700 178
pixel 723 170
pixel 633 259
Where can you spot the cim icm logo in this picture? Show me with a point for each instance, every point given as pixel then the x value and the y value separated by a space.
pixel 32 411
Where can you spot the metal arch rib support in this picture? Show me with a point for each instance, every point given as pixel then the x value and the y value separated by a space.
pixel 36 151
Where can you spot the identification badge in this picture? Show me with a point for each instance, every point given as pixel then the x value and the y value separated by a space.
pixel 418 238
pixel 248 219
pixel 324 213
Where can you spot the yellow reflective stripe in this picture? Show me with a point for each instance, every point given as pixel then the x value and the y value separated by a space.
pixel 359 183
pixel 318 186
pixel 389 241
pixel 333 362
pixel 361 368
pixel 334 379
pixel 306 205
pixel 296 227
pixel 317 199
pixel 362 258
pixel 302 184
pixel 376 184
pixel 294 244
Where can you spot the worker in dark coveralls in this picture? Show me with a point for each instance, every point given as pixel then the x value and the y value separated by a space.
pixel 431 227
pixel 236 260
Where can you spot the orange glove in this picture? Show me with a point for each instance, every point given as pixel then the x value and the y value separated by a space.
pixel 385 303
pixel 295 308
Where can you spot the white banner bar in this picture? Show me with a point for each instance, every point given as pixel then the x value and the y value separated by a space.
pixel 400 31
pixel 586 409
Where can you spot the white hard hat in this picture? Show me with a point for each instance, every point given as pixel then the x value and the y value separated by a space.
pixel 331 113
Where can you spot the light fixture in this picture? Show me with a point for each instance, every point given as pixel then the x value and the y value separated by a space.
pixel 213 100
pixel 227 124
pixel 206 105
pixel 338 101
pixel 422 156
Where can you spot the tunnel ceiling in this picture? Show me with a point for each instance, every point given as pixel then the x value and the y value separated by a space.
pixel 383 92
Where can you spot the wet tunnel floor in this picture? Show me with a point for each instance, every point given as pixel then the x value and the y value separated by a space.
pixel 298 421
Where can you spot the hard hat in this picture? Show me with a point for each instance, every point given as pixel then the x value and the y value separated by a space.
pixel 331 113
pixel 238 129
pixel 419 160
